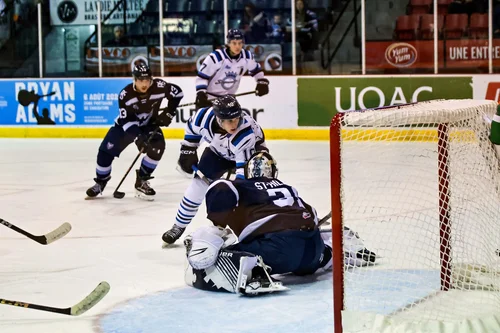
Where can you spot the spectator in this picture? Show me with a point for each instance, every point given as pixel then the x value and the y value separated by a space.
pixel 120 39
pixel 254 24
pixel 306 25
pixel 278 29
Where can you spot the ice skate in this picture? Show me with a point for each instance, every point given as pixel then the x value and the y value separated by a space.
pixel 172 235
pixel 98 188
pixel 142 188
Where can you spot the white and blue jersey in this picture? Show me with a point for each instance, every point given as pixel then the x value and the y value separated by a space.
pixel 220 74
pixel 237 147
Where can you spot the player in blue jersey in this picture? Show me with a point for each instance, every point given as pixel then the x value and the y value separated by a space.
pixel 139 118
pixel 221 71
pixel 233 137
pixel 274 227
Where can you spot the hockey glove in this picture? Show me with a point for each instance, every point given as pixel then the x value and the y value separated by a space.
pixel 202 100
pixel 165 118
pixel 142 142
pixel 188 158
pixel 262 87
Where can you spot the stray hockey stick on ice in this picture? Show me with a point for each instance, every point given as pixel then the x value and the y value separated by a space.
pixel 43 239
pixel 119 195
pixel 87 303
pixel 237 95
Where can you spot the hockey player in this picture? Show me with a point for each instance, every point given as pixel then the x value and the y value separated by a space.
pixel 233 137
pixel 221 72
pixel 274 227
pixel 139 118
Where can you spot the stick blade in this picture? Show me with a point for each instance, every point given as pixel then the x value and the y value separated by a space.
pixel 118 195
pixel 91 300
pixel 58 233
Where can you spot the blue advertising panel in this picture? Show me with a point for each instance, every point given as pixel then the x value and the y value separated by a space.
pixel 91 102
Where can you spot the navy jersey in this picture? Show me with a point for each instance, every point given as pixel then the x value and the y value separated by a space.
pixel 136 109
pixel 252 207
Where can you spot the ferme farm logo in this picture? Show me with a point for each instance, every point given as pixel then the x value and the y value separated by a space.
pixel 401 54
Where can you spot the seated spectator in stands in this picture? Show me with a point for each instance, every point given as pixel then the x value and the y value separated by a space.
pixel 306 24
pixel 464 7
pixel 254 24
pixel 120 39
pixel 278 29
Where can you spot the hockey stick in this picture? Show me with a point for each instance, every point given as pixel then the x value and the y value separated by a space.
pixel 119 195
pixel 237 95
pixel 200 174
pixel 43 239
pixel 325 219
pixel 87 303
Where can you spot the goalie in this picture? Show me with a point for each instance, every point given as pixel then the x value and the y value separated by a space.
pixel 277 233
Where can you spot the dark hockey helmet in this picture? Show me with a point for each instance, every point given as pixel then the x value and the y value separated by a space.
pixel 226 107
pixel 234 34
pixel 141 72
pixel 261 164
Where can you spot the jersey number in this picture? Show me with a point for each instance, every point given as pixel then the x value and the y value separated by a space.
pixel 202 67
pixel 286 198
pixel 123 113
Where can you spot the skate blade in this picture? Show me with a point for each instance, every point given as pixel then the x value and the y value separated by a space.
pixel 142 196
pixel 93 198
pixel 165 245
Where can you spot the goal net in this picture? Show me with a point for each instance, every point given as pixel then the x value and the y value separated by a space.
pixel 419 183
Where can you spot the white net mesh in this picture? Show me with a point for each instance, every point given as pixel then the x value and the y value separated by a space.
pixel 390 196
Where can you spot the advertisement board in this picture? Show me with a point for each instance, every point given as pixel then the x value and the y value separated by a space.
pixel 84 12
pixel 119 60
pixel 486 87
pixel 94 102
pixel 319 99
pixel 460 53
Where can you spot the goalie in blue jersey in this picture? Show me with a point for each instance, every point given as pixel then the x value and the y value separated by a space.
pixel 275 232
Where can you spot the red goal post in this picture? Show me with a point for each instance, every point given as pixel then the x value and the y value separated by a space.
pixel 419 183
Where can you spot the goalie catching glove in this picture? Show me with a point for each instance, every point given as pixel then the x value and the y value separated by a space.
pixel 188 158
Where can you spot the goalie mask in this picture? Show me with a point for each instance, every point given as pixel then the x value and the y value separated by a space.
pixel 261 164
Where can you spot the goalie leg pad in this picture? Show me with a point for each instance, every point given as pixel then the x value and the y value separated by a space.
pixel 222 276
pixel 355 253
pixel 254 278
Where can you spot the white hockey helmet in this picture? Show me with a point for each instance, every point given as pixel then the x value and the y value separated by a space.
pixel 261 164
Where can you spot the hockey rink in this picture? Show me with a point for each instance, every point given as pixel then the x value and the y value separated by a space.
pixel 43 184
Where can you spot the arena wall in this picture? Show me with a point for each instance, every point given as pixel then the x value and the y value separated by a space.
pixel 297 107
